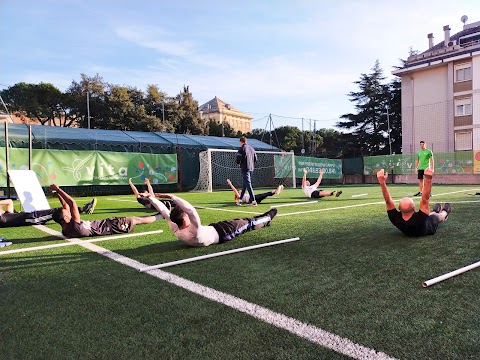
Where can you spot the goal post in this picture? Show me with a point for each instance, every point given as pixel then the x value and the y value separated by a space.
pixel 271 169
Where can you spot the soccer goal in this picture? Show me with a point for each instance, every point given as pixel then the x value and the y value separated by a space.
pixel 271 169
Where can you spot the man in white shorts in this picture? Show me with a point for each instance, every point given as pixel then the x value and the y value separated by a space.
pixel 185 223
pixel 311 191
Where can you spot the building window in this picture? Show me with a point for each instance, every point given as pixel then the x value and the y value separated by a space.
pixel 463 72
pixel 463 107
pixel 463 140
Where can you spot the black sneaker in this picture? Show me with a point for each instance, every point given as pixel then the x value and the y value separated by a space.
pixel 437 208
pixel 89 207
pixel 338 193
pixel 448 209
pixel 272 213
pixel 418 194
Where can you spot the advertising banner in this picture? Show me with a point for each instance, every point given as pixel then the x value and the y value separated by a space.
pixel 77 168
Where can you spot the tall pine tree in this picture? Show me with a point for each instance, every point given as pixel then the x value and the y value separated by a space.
pixel 369 125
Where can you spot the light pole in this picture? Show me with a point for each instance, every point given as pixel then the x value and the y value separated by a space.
pixel 88 109
pixel 388 124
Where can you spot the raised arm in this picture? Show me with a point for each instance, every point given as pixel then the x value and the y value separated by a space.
pixel 237 194
pixel 382 179
pixel 67 201
pixel 162 209
pixel 186 207
pixel 319 180
pixel 134 189
pixel 304 179
pixel 149 187
pixel 427 190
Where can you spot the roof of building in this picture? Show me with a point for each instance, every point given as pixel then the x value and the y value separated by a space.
pixel 456 37
pixel 215 105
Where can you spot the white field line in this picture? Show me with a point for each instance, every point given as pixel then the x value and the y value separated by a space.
pixel 134 201
pixel 358 205
pixel 454 192
pixel 228 210
pixel 357 195
pixel 73 241
pixel 309 332
pixel 221 253
pixel 295 203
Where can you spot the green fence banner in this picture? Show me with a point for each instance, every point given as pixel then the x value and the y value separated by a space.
pixel 460 162
pixel 78 168
pixel 332 167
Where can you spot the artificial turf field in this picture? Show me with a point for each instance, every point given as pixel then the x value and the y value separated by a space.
pixel 350 285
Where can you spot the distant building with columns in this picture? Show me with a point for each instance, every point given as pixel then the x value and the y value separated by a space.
pixel 222 112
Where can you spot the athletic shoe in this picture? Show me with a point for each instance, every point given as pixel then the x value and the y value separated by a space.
pixel 89 207
pixel 253 203
pixel 338 193
pixel 239 203
pixel 418 194
pixel 279 190
pixel 437 208
pixel 272 213
pixel 5 243
pixel 447 208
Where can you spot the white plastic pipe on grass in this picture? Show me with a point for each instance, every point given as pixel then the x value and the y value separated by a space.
pixel 197 258
pixel 450 274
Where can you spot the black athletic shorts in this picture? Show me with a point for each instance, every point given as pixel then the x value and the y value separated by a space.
pixel 420 174
pixel 316 194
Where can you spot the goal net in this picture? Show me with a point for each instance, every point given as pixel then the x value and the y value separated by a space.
pixel 218 165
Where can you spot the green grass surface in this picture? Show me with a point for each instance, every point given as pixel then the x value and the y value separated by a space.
pixel 352 274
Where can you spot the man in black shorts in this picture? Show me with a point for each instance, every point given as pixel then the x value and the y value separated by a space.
pixel 73 226
pixel 11 218
pixel 406 219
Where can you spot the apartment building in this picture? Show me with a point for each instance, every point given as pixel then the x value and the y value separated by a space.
pixel 441 93
pixel 223 113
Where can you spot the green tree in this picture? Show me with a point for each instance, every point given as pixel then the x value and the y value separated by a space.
pixel 84 98
pixel 215 128
pixel 187 117
pixel 42 102
pixel 369 125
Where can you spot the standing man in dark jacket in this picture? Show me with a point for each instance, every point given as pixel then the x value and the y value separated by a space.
pixel 246 157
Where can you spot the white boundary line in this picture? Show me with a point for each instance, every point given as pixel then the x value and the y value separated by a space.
pixel 72 241
pixel 133 201
pixel 357 195
pixel 228 210
pixel 358 205
pixel 309 332
pixel 296 203
pixel 221 253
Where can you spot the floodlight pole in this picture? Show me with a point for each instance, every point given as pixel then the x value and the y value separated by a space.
pixel 388 124
pixel 88 109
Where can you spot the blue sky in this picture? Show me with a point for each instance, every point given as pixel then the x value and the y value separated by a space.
pixel 293 59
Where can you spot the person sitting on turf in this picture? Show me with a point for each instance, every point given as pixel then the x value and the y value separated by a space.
pixel 311 191
pixel 73 226
pixel 406 219
pixel 143 197
pixel 11 218
pixel 258 197
pixel 185 223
